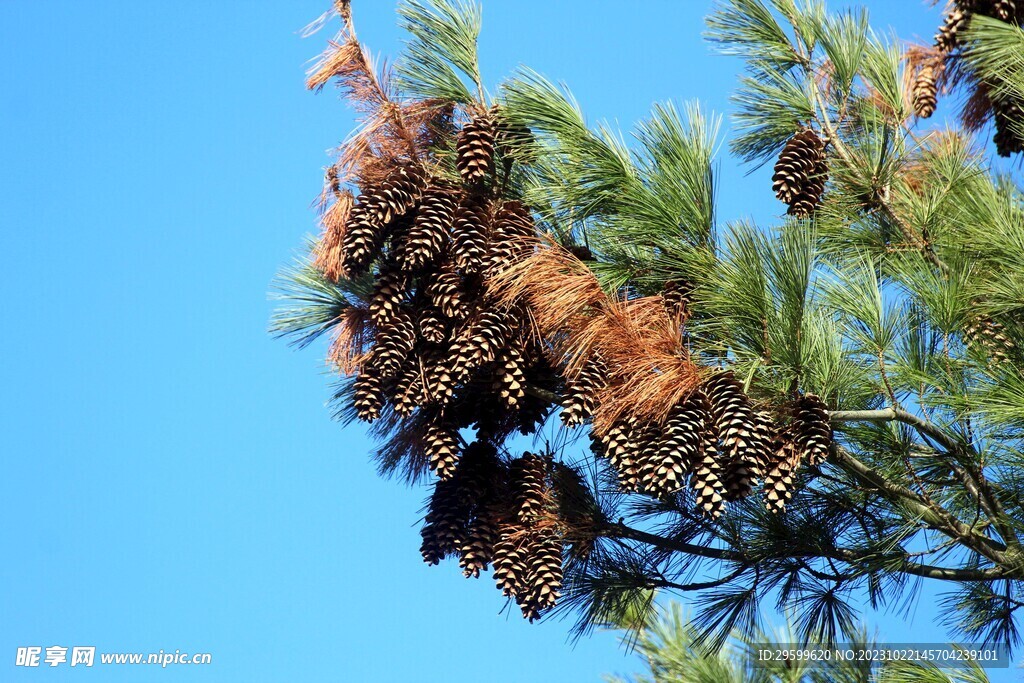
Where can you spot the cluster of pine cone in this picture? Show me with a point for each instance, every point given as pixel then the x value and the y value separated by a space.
pixel 446 358
pixel 505 514
pixel 801 173
pixel 441 349
pixel 714 441
pixel 1006 109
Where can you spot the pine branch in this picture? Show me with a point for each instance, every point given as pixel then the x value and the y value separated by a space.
pixel 849 556
pixel 974 479
pixel 881 198
pixel 936 517
pixel 443 51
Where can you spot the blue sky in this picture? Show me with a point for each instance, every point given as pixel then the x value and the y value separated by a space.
pixel 172 479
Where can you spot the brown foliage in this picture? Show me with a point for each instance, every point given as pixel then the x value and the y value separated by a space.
pixel 328 256
pixel 649 367
pixel 353 336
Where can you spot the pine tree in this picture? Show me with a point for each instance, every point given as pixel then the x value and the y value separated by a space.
pixel 818 409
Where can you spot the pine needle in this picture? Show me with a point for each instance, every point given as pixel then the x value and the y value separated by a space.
pixel 650 368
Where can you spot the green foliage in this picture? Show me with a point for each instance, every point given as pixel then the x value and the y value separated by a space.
pixel 866 304
pixel 843 38
pixel 996 50
pixel 313 304
pixel 671 652
pixel 770 104
pixel 442 53
pixel 647 210
pixel 749 29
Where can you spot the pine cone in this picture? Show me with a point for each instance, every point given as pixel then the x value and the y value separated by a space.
pixel 477 549
pixel 397 195
pixel 375 209
pixel 663 470
pixel 474 149
pixel 433 327
pixel 388 294
pixel 675 297
pixel 764 438
pixel 509 239
pixel 544 577
pixel 618 446
pixel 807 201
pixel 778 481
pixel 1008 114
pixel 741 438
pixel 801 173
pixel 480 341
pixel 470 234
pixel 741 474
pixel 441 444
pixel 989 336
pixel 362 239
pixel 646 440
pixel 394 342
pixel 924 92
pixel 446 293
pixel 510 565
pixel 479 475
pixel 408 391
pixel 509 380
pixel 528 475
pixel 577 506
pixel 445 523
pixel 812 431
pixel 480 472
pixel 580 398
pixel 426 239
pixel 443 378
pixel 1006 10
pixel 948 37
pixel 368 394
pixel 707 480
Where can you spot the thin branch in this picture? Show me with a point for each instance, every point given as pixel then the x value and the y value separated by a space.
pixel 883 415
pixel 543 394
pixel 699 586
pixel 898 414
pixel 852 557
pixel 905 229
pixel 937 517
pixel 622 531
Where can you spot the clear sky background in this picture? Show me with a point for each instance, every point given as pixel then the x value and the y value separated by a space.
pixel 171 477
